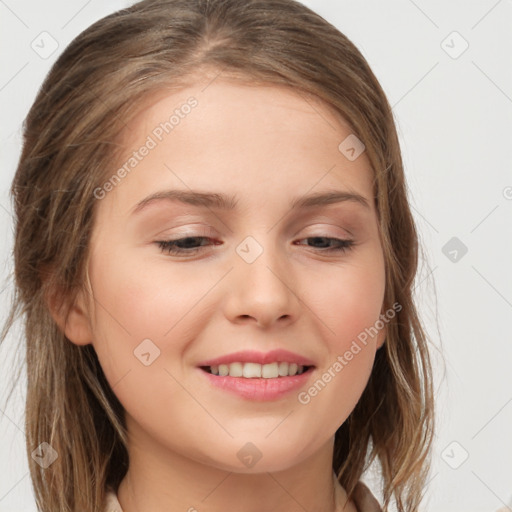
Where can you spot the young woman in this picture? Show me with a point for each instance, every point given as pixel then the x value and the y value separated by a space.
pixel 214 257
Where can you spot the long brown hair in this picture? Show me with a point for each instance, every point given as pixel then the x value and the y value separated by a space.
pixel 94 89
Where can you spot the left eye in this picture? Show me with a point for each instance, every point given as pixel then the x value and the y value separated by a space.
pixel 340 244
pixel 189 245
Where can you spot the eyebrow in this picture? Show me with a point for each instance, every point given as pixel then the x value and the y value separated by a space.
pixel 224 202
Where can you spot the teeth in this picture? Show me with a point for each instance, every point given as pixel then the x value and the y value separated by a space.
pixel 255 370
pixel 250 370
pixel 235 369
pixel 270 371
pixel 283 369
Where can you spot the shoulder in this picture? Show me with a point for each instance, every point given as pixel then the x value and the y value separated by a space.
pixel 364 500
pixel 111 502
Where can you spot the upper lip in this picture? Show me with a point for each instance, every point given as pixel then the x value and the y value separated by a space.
pixel 253 356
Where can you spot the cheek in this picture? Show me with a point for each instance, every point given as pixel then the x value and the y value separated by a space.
pixel 348 300
pixel 142 320
pixel 136 301
pixel 147 299
pixel 348 308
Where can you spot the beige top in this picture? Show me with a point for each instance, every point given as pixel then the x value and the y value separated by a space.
pixel 363 499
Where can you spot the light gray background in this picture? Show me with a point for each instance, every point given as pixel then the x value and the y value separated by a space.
pixel 454 116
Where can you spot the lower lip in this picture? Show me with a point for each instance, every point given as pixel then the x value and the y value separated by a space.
pixel 259 388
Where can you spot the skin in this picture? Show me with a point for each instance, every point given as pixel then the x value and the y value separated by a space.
pixel 266 145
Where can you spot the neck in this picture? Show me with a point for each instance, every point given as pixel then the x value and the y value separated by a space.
pixel 159 480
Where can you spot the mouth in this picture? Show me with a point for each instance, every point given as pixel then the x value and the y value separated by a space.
pixel 250 370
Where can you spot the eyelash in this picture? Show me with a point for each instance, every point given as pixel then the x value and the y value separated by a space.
pixel 170 246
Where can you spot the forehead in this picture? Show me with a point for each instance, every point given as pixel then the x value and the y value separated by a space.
pixel 267 140
pixel 229 103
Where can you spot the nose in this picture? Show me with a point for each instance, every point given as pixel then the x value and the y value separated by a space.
pixel 263 292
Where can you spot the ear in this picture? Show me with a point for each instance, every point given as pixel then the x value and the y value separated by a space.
pixel 73 320
pixel 381 336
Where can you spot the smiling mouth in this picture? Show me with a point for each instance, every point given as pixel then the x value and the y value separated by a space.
pixel 254 370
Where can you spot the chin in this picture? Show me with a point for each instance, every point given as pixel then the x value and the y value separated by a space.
pixel 256 457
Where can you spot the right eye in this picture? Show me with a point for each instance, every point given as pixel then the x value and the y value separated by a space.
pixel 186 245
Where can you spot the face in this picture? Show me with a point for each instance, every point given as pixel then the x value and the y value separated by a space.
pixel 288 268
